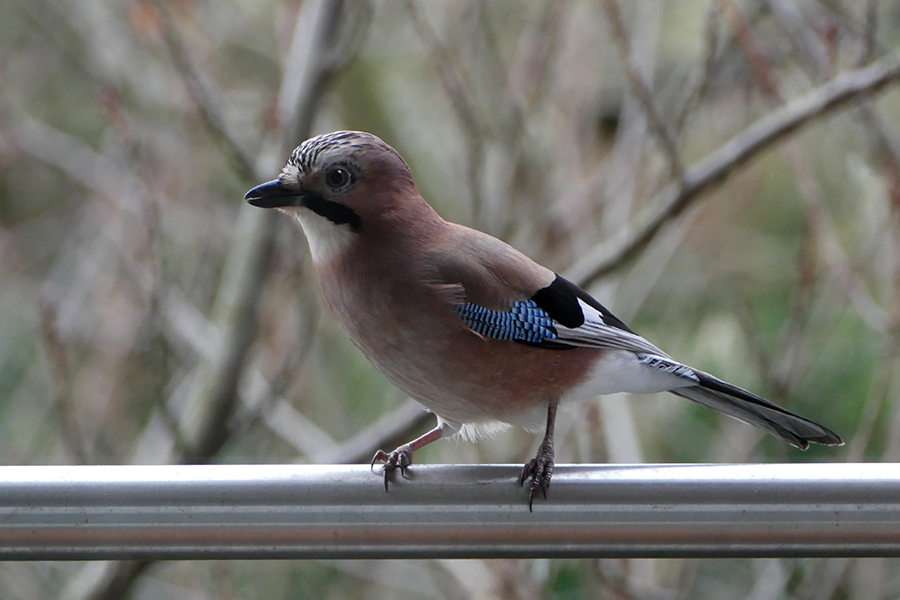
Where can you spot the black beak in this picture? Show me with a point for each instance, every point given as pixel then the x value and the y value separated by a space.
pixel 273 194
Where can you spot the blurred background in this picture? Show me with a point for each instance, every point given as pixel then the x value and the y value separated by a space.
pixel 148 315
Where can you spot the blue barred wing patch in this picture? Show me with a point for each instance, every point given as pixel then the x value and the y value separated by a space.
pixel 524 322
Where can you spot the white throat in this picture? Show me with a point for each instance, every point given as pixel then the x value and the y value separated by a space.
pixel 326 239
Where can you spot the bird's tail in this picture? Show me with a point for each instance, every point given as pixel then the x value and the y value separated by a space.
pixel 750 408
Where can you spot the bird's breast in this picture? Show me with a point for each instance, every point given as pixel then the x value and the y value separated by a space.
pixel 418 342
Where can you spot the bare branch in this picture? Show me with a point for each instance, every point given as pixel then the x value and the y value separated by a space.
pixel 717 166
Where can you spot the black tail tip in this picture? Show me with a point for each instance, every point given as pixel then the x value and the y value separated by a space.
pixel 828 438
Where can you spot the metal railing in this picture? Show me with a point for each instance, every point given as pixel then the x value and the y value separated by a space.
pixel 328 511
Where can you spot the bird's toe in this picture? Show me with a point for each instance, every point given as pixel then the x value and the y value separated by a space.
pixel 400 458
pixel 539 470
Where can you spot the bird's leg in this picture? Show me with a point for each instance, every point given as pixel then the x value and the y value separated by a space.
pixel 540 468
pixel 401 458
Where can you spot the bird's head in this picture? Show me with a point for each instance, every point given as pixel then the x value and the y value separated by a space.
pixel 338 185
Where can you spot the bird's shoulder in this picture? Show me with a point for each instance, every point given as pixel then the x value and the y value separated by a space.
pixel 489 272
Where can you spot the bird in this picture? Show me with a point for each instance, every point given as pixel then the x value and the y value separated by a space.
pixel 474 330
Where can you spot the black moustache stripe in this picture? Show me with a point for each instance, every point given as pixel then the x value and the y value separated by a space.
pixel 335 212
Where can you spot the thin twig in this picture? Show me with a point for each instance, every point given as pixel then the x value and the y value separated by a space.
pixel 320 48
pixel 70 431
pixel 460 96
pixel 701 81
pixel 642 91
pixel 804 38
pixel 870 33
pixel 202 90
pixel 758 58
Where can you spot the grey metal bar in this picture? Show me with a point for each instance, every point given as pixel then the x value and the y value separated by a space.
pixel 302 511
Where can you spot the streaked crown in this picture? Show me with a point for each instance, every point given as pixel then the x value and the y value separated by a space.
pixel 347 143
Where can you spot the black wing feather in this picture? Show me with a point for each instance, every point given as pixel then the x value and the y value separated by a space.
pixel 560 300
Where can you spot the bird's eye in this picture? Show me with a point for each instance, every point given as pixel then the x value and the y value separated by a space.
pixel 337 178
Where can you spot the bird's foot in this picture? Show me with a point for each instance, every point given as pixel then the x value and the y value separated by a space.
pixel 539 469
pixel 400 458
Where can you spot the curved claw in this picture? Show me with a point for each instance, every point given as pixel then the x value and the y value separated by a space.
pixel 540 470
pixel 400 458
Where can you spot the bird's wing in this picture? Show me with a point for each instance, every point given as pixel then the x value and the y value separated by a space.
pixel 504 295
pixel 558 315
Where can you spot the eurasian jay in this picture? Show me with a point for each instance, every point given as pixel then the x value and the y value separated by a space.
pixel 465 324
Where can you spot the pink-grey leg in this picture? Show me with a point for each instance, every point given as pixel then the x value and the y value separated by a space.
pixel 401 458
pixel 540 468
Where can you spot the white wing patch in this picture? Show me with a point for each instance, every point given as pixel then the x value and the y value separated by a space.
pixel 595 333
